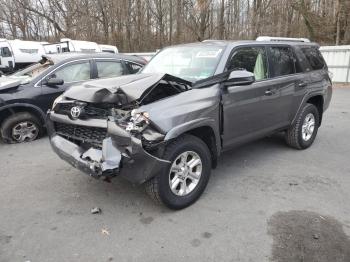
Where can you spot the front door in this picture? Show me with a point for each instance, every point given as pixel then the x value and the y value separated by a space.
pixel 254 110
pixel 71 73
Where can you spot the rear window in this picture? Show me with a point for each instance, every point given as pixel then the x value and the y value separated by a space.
pixel 281 60
pixel 314 58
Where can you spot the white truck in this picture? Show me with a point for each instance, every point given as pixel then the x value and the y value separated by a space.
pixel 69 45
pixel 17 54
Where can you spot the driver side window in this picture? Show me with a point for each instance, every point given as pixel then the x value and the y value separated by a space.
pixel 73 72
pixel 252 59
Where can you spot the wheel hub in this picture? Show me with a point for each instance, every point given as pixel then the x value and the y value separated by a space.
pixel 308 127
pixel 25 131
pixel 185 173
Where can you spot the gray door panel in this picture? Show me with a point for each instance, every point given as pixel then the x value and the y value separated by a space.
pixel 250 110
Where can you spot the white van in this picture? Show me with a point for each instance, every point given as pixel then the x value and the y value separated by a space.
pixel 109 49
pixel 67 45
pixel 17 54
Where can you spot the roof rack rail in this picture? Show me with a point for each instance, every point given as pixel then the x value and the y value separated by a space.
pixel 282 39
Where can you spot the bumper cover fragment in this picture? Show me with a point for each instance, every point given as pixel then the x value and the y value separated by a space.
pixel 121 154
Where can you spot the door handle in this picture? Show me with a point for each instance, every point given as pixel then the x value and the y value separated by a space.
pixel 302 84
pixel 268 92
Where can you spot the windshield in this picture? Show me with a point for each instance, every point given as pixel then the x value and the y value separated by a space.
pixel 32 71
pixel 188 62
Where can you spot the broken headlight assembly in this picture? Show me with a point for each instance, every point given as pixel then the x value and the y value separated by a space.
pixel 56 101
pixel 138 121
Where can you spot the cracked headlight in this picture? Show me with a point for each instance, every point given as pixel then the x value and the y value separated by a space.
pixel 57 100
pixel 138 121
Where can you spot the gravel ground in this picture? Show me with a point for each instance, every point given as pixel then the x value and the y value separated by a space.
pixel 264 202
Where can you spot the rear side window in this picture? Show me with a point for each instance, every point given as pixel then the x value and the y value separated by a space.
pixel 281 61
pixel 252 59
pixel 132 67
pixel 314 58
pixel 107 69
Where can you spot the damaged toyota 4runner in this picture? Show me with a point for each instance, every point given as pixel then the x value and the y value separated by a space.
pixel 166 126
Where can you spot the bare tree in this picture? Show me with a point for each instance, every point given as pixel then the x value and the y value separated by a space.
pixel 135 25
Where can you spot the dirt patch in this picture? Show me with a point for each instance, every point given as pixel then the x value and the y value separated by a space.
pixel 307 236
pixel 146 220
pixel 341 85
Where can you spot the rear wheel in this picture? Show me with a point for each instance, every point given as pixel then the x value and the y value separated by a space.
pixel 303 133
pixel 21 127
pixel 182 183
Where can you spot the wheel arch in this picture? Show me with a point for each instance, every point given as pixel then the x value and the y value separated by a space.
pixel 205 129
pixel 317 101
pixel 11 109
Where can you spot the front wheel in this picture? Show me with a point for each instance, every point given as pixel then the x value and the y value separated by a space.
pixel 303 133
pixel 183 182
pixel 21 127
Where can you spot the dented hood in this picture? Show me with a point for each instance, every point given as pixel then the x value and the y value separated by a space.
pixel 123 89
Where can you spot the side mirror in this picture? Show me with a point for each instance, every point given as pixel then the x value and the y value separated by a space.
pixel 240 78
pixel 54 82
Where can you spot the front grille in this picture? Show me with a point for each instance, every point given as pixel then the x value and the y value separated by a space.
pixel 95 112
pixel 88 111
pixel 91 135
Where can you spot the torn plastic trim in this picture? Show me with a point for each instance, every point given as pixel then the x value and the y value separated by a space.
pixel 93 161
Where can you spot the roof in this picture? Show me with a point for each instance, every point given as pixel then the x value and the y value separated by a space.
pixel 66 57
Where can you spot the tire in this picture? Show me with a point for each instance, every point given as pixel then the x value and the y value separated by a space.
pixel 159 187
pixel 295 136
pixel 12 126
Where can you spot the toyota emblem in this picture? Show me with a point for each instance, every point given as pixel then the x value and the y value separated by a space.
pixel 75 112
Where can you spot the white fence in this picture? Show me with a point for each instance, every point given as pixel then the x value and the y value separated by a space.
pixel 338 61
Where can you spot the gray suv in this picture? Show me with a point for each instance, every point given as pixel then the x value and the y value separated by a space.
pixel 166 126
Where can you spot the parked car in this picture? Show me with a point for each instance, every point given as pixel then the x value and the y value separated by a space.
pixel 17 54
pixel 26 95
pixel 167 126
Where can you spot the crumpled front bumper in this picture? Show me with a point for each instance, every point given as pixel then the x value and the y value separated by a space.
pixel 121 153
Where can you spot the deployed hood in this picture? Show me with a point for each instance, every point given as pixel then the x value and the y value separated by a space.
pixel 9 82
pixel 139 88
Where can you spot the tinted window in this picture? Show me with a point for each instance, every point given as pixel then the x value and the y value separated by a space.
pixel 314 58
pixel 132 68
pixel 5 52
pixel 281 61
pixel 74 72
pixel 252 59
pixel 109 69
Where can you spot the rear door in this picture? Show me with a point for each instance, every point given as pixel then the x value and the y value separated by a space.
pixel 288 80
pixel 107 68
